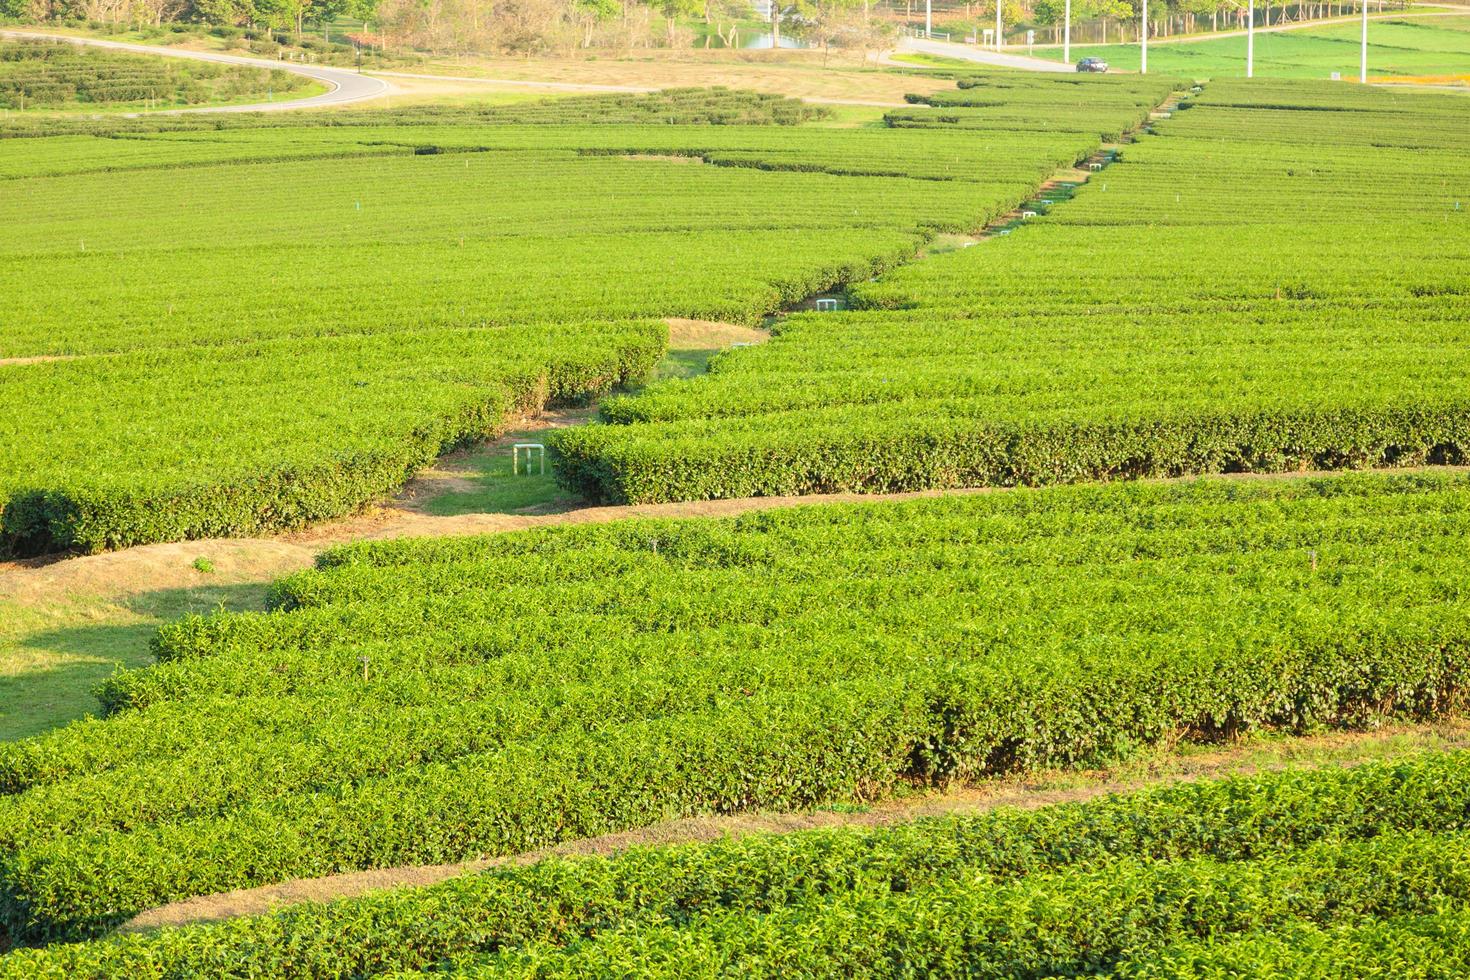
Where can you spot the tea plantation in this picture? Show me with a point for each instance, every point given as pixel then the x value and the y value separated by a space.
pixel 231 326
pixel 1357 872
pixel 58 75
pixel 1279 279
pixel 239 307
pixel 427 701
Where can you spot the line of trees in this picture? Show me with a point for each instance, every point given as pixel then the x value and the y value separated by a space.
pixel 498 26
pixel 283 15
pixel 1116 21
pixel 550 26
pixel 563 26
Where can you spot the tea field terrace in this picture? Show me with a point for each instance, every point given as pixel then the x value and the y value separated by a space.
pixel 435 700
pixel 232 326
pixel 1274 278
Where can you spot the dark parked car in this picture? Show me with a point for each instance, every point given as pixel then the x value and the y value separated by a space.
pixel 1092 64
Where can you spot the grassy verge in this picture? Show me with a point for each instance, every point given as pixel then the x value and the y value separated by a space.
pixel 1396 47
pixel 933 60
pixel 54 653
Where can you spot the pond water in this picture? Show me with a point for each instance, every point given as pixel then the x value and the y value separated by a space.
pixel 758 41
pixel 754 41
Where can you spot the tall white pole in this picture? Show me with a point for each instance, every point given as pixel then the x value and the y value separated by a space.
pixel 1250 40
pixel 1067 32
pixel 928 17
pixel 1363 54
pixel 997 24
pixel 1143 40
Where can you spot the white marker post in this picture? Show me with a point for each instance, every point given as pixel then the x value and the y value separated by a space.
pixel 1143 41
pixel 529 447
pixel 928 18
pixel 1250 39
pixel 1067 32
pixel 1363 55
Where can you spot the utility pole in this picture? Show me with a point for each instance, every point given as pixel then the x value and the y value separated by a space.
pixel 1363 54
pixel 929 18
pixel 1143 41
pixel 1250 39
pixel 1067 32
pixel 997 24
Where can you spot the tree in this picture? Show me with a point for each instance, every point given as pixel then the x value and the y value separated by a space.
pixel 675 9
pixel 276 14
pixel 220 12
pixel 1102 10
pixel 1049 13
pixel 590 13
pixel 845 22
pixel 716 12
pixel 326 11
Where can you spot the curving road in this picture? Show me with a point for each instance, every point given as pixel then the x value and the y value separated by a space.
pixel 345 87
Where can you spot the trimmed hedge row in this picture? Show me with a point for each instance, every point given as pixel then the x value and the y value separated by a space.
pixel 894 448
pixel 1432 946
pixel 565 901
pixel 1067 925
pixel 1117 334
pixel 37 73
pixel 526 689
pixel 342 421
pixel 711 106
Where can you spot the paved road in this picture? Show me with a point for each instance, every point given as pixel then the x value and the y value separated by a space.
pixel 345 86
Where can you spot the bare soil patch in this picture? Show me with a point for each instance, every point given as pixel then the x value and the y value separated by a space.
pixel 710 334
pixel 799 75
pixel 39 359
pixel 151 568
pixel 665 157
pixel 1027 792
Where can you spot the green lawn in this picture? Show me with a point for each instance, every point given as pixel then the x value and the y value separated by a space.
pixel 54 654
pixel 486 485
pixel 1404 47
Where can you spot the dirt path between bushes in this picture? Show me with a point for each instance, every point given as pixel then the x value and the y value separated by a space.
pixel 38 359
pixel 1028 792
pixel 150 568
pixel 172 565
